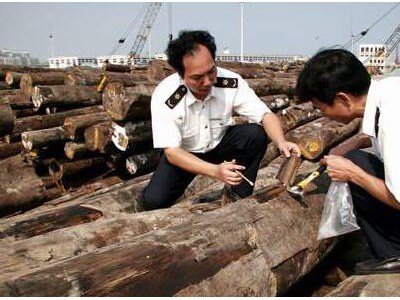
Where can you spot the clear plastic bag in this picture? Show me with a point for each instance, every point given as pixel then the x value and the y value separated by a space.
pixel 337 217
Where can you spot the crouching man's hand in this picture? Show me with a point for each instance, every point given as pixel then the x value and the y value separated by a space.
pixel 226 173
pixel 287 148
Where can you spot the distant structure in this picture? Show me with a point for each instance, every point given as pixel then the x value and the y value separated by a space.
pixel 61 62
pixel 373 55
pixel 17 58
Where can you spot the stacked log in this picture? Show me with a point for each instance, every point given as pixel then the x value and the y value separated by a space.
pixel 100 242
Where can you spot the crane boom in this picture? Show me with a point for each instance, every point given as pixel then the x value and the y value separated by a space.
pixel 147 23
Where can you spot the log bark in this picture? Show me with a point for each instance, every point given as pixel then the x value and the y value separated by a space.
pixel 278 235
pixel 61 95
pixel 19 184
pixel 4 86
pixel 142 163
pixel 98 136
pixel 297 115
pixel 58 170
pixel 158 70
pixel 116 68
pixel 94 78
pixel 52 120
pixel 247 71
pixel 19 69
pixel 132 137
pixel 276 102
pixel 263 87
pixel 44 137
pixel 13 78
pixel 7 150
pixel 16 99
pixel 7 119
pixel 75 126
pixel 382 285
pixel 28 81
pixel 128 103
pixel 76 150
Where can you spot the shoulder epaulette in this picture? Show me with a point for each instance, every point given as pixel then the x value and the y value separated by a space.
pixel 225 82
pixel 176 97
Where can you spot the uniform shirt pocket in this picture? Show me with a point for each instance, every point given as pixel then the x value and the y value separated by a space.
pixel 219 126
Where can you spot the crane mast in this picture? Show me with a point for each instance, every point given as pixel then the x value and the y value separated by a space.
pixel 144 31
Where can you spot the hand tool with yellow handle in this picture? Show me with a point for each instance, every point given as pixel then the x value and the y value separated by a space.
pixel 297 190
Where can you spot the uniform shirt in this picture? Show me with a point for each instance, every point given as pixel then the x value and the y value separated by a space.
pixel 181 120
pixel 382 124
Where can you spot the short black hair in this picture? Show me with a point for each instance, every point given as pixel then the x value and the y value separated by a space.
pixel 186 43
pixel 330 72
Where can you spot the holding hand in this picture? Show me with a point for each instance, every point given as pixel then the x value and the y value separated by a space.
pixel 226 172
pixel 286 148
pixel 339 168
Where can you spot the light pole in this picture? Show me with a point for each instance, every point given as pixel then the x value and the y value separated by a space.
pixel 51 44
pixel 241 31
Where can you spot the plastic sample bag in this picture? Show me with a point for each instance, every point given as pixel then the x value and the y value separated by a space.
pixel 337 217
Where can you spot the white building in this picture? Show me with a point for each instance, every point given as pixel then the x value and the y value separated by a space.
pixel 19 58
pixel 373 55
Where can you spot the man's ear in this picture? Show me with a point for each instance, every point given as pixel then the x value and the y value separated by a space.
pixel 345 99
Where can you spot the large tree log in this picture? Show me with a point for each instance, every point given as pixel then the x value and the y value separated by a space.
pixel 202 250
pixel 94 78
pixel 127 103
pixel 60 169
pixel 132 137
pixel 4 86
pixel 52 120
pixel 16 99
pixel 247 71
pixel 7 150
pixel 276 102
pixel 61 95
pixel 116 68
pixel 263 87
pixel 98 136
pixel 142 163
pixel 28 81
pixel 44 137
pixel 75 126
pixel 13 78
pixel 20 69
pixel 6 119
pixel 76 150
pixel 378 285
pixel 158 70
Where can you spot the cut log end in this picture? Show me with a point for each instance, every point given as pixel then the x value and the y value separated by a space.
pixel 26 142
pixel 37 97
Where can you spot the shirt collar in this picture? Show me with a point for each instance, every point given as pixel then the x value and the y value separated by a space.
pixel 191 99
pixel 368 126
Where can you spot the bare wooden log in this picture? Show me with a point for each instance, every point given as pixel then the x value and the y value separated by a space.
pixel 52 120
pixel 16 99
pixel 7 150
pixel 28 81
pixel 131 136
pixel 4 86
pixel 357 141
pixel 61 95
pixel 297 115
pixel 116 68
pixel 263 87
pixel 94 78
pixel 13 78
pixel 44 137
pixel 276 102
pixel 25 112
pixel 128 103
pixel 19 184
pixel 60 169
pixel 158 70
pixel 288 170
pixel 203 249
pixel 6 119
pixel 247 71
pixel 142 163
pixel 98 136
pixel 76 150
pixel 20 69
pixel 75 126
pixel 378 285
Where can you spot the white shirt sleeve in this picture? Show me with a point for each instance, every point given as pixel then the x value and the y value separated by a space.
pixel 246 103
pixel 166 133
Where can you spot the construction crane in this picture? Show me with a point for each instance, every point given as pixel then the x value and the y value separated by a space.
pixel 145 28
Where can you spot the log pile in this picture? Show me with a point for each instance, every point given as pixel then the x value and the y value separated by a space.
pixel 93 239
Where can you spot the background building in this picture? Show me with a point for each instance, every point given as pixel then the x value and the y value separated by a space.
pixel 373 55
pixel 18 58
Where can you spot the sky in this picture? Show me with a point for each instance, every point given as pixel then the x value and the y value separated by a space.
pixel 93 28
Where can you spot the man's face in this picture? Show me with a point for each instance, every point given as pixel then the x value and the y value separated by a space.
pixel 340 111
pixel 200 72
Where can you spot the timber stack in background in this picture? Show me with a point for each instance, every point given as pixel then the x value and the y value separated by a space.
pixel 75 153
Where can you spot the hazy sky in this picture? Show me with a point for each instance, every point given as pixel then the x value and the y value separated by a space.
pixel 93 29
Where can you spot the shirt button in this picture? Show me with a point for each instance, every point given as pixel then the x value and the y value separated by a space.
pixel 206 126
pixel 203 106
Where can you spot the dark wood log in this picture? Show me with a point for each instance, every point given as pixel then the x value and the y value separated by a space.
pixel 98 136
pixel 13 78
pixel 357 141
pixel 263 87
pixel 142 163
pixel 28 81
pixel 25 112
pixel 288 170
pixel 247 71
pixel 7 150
pixel 61 95
pixel 44 137
pixel 58 169
pixel 20 69
pixel 377 285
pixel 16 99
pixel 7 119
pixel 128 103
pixel 116 68
pixel 94 78
pixel 4 86
pixel 132 136
pixel 76 125
pixel 19 184
pixel 203 250
pixel 158 70
pixel 76 150
pixel 297 115
pixel 52 120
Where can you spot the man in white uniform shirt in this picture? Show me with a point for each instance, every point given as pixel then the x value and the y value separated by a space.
pixel 339 85
pixel 192 123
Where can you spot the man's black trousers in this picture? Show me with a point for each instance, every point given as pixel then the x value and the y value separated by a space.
pixel 245 143
pixel 380 223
